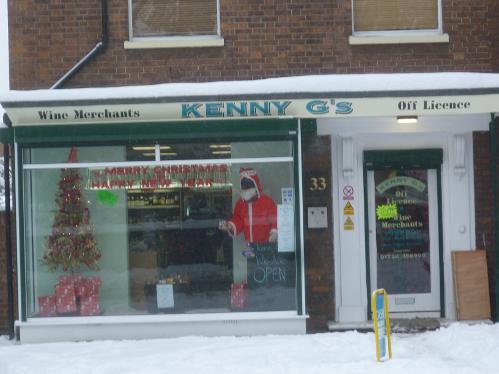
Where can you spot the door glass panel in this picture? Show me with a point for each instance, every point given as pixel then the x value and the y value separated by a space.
pixel 402 231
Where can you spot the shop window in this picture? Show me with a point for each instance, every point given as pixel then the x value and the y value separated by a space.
pixel 396 15
pixel 222 150
pixel 61 155
pixel 141 152
pixel 122 235
pixel 169 18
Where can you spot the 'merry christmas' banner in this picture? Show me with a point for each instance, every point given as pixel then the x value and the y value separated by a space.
pixel 151 177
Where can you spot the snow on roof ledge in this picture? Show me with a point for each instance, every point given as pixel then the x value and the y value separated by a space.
pixel 344 83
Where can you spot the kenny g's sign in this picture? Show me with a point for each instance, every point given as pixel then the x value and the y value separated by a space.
pixel 58 113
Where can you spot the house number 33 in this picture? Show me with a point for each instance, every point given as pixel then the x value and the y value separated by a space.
pixel 318 184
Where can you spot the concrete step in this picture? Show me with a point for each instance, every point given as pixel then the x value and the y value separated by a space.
pixel 402 325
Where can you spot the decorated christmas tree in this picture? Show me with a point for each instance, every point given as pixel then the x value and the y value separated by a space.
pixel 71 244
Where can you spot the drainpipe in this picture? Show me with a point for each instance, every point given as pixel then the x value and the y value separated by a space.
pixel 8 236
pixel 99 47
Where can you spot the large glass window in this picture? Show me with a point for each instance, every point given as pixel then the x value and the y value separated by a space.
pixel 183 232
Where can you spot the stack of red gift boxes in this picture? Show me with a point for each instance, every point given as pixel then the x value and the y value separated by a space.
pixel 74 294
pixel 238 295
pixel 47 305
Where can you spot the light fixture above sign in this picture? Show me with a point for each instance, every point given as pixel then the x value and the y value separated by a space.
pixel 407 119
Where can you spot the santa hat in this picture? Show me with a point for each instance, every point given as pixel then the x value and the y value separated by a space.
pixel 251 174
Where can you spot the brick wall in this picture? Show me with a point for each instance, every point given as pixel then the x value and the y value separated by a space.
pixel 484 206
pixel 494 32
pixel 319 263
pixel 263 38
pixel 3 275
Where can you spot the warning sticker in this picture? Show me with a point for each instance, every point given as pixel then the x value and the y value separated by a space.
pixel 348 225
pixel 348 193
pixel 348 209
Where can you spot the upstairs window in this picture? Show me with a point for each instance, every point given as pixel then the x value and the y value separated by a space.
pixel 374 16
pixel 173 18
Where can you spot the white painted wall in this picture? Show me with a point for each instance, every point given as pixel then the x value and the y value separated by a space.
pixel 457 195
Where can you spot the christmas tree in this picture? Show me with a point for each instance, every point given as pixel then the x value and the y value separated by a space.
pixel 71 243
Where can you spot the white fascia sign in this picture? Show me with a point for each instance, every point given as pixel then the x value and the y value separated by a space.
pixel 57 113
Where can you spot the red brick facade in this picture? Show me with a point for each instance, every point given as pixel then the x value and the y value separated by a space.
pixel 266 38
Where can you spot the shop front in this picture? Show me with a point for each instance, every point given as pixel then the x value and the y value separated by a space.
pixel 176 229
pixel 142 215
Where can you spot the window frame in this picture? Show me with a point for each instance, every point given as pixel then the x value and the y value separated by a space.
pixel 98 135
pixel 179 38
pixel 30 284
pixel 400 33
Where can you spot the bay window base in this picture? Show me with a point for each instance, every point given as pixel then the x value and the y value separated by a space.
pixel 153 327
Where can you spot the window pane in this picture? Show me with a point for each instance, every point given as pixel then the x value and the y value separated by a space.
pixel 403 239
pixel 173 18
pixel 141 152
pixel 378 15
pixel 110 241
pixel 218 150
pixel 62 155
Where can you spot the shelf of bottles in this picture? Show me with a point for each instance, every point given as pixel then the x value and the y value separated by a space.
pixel 153 211
pixel 155 199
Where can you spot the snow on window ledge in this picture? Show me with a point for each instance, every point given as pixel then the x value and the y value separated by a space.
pixel 180 42
pixel 398 39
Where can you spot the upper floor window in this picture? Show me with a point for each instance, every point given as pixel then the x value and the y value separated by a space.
pixel 396 15
pixel 170 18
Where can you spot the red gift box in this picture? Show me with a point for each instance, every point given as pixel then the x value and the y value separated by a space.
pixel 65 298
pixel 81 289
pixel 238 295
pixel 90 286
pixel 70 279
pixel 87 286
pixel 47 306
pixel 96 281
pixel 89 306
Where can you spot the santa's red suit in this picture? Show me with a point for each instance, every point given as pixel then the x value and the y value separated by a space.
pixel 257 218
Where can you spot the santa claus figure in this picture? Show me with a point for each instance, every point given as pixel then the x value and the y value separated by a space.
pixel 255 213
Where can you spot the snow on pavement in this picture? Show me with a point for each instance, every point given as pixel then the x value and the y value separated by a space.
pixel 457 349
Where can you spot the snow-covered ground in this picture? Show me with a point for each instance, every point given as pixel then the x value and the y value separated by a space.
pixel 457 349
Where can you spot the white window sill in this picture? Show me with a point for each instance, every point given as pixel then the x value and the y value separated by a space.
pixel 397 39
pixel 188 42
pixel 166 318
